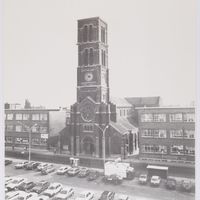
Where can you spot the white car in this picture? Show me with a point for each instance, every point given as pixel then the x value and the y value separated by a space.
pixel 9 180
pixel 42 197
pixel 155 180
pixel 12 194
pixel 63 170
pixel 86 195
pixel 15 183
pixel 64 194
pixel 25 196
pixel 53 189
pixel 123 197
pixel 21 165
pixel 42 166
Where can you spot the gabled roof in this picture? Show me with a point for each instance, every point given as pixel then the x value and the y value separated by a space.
pixel 123 126
pixel 120 102
pixel 144 101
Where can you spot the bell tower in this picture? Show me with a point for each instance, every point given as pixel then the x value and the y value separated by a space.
pixel 92 110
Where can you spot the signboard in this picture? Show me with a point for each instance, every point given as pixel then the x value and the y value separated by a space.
pixel 44 136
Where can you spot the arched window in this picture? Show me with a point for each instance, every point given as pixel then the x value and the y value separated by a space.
pixel 90 33
pixel 85 34
pixel 91 60
pixel 86 57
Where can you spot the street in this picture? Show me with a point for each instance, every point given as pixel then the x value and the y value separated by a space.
pixel 131 188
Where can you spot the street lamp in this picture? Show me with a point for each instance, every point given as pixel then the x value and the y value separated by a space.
pixel 29 129
pixel 103 143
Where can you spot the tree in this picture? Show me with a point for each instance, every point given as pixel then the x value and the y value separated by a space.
pixel 27 104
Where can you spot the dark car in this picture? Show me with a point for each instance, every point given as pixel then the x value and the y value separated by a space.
pixel 26 186
pixel 8 162
pixel 107 195
pixel 48 170
pixel 186 185
pixel 93 175
pixel 32 165
pixel 113 179
pixel 40 186
pixel 143 179
pixel 171 184
pixel 83 172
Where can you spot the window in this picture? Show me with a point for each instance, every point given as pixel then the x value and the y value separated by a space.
pixel 189 150
pixel 43 117
pixel 176 133
pixel 103 34
pixel 18 116
pixel 175 117
pixel 10 116
pixel 159 117
pixel 20 140
pixel 85 34
pixel 90 33
pixel 43 129
pixel 88 127
pixel 91 60
pixel 146 118
pixel 35 117
pixel 157 133
pixel 147 133
pixel 43 141
pixel 177 149
pixel 160 133
pixel 9 128
pixel 189 134
pixel 18 128
pixel 8 139
pixel 86 57
pixel 25 116
pixel 35 129
pixel 189 117
pixel 160 149
pixel 35 141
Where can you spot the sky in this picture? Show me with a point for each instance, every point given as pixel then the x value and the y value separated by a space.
pixel 152 49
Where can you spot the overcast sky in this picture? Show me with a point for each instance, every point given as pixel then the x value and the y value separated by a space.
pixel 151 49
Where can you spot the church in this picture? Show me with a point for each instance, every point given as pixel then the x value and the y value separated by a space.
pixel 98 127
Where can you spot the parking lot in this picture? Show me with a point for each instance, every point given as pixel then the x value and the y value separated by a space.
pixel 129 187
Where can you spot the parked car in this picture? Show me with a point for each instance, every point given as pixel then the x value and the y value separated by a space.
pixel 83 172
pixel 113 179
pixel 186 185
pixel 53 189
pixel 143 179
pixel 26 186
pixel 93 175
pixel 8 162
pixel 25 196
pixel 40 186
pixel 62 170
pixel 107 195
pixel 73 171
pixel 86 195
pixel 155 180
pixel 42 197
pixel 15 183
pixel 32 165
pixel 11 195
pixel 171 184
pixel 123 197
pixel 21 165
pixel 64 194
pixel 9 180
pixel 41 166
pixel 47 170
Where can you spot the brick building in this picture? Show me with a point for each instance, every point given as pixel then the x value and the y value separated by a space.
pixel 43 123
pixel 167 133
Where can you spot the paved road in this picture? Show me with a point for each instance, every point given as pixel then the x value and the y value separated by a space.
pixel 131 188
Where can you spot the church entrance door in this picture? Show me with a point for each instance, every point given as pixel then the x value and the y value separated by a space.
pixel 88 146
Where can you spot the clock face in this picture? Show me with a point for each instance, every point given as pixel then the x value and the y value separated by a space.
pixel 88 76
pixel 87 113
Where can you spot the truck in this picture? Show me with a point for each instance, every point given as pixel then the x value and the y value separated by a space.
pixel 120 169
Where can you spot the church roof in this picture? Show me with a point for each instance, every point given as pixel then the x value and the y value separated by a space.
pixel 143 101
pixel 120 102
pixel 123 126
